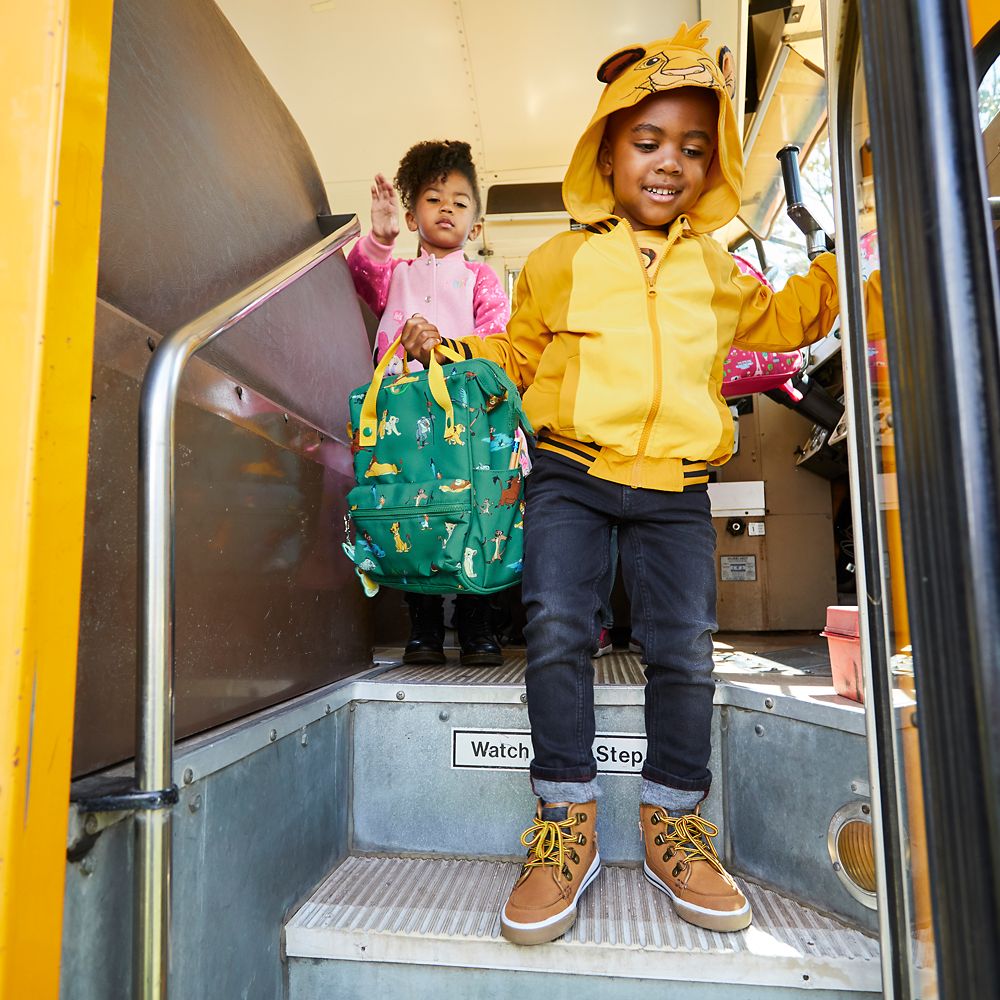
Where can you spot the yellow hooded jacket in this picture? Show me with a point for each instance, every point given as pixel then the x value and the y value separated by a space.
pixel 620 367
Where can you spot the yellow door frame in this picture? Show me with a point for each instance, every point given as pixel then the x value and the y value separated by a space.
pixel 53 92
pixel 983 14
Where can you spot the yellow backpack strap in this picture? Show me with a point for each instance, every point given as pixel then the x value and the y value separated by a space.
pixel 435 382
pixel 449 353
pixel 368 424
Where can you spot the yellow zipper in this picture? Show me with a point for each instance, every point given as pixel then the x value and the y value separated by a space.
pixel 654 324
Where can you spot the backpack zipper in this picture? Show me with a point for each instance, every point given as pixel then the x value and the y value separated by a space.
pixel 409 510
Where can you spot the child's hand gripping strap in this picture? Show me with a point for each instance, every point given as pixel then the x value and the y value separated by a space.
pixel 368 427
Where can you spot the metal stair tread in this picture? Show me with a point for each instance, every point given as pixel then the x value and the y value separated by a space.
pixel 620 668
pixel 445 911
pixel 742 680
pixel 615 668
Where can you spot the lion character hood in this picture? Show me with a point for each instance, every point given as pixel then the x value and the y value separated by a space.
pixel 634 73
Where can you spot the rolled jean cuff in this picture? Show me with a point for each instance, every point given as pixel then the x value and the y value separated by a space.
pixel 585 773
pixel 672 781
pixel 566 791
pixel 672 799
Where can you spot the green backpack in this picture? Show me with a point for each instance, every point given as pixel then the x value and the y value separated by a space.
pixel 439 505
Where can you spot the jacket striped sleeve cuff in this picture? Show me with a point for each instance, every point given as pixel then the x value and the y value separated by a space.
pixel 458 345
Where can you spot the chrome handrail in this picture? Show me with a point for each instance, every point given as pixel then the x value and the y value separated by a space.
pixel 155 716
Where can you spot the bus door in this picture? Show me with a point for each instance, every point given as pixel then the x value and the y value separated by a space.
pixel 918 278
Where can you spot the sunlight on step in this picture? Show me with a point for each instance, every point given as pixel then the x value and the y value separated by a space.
pixel 767 945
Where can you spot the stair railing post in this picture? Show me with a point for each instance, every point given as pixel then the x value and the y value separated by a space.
pixel 155 647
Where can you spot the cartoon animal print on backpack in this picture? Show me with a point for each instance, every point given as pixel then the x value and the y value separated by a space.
pixel 511 492
pixel 438 462
pixel 401 546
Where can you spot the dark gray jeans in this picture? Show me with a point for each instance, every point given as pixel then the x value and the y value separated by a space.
pixel 667 551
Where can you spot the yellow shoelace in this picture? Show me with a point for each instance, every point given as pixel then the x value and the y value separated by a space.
pixel 693 835
pixel 544 840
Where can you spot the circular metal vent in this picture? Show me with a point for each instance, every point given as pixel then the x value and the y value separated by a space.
pixel 852 851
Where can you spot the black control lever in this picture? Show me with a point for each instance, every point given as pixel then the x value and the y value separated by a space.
pixel 817 240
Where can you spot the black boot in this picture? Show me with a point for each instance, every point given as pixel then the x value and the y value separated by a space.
pixel 475 632
pixel 426 645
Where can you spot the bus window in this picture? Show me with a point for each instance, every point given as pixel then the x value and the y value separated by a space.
pixel 989 122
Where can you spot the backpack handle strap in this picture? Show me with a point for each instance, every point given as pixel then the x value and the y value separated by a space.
pixel 368 425
pixel 449 352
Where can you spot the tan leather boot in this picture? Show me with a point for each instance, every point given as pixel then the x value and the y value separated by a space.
pixel 562 861
pixel 681 861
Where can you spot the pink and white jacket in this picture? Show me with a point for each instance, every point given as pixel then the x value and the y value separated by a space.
pixel 458 296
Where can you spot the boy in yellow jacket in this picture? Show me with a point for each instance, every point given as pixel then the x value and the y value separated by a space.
pixel 617 344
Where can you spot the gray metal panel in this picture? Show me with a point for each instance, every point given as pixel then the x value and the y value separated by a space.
pixel 407 797
pixel 783 785
pixel 446 912
pixel 310 979
pixel 267 605
pixel 306 349
pixel 249 842
pixel 97 919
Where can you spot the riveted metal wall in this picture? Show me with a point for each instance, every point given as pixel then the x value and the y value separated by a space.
pixel 311 980
pixel 405 772
pixel 785 779
pixel 250 841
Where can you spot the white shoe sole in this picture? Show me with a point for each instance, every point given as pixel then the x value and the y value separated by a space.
pixel 552 927
pixel 702 916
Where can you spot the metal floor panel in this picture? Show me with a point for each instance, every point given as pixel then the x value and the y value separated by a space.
pixel 613 668
pixel 445 912
pixel 806 665
pixel 752 680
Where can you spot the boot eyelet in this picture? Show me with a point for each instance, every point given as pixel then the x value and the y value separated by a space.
pixel 567 874
pixel 581 839
pixel 658 839
pixel 581 817
pixel 678 868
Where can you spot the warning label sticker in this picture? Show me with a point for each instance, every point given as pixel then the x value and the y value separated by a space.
pixel 738 568
pixel 510 750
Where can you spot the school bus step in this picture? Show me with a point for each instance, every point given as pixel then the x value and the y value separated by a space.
pixel 615 668
pixel 426 925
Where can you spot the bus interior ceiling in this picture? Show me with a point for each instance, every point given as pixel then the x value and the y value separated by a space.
pixel 293 745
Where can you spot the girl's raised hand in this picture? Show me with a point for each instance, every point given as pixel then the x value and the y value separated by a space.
pixel 385 211
pixel 420 337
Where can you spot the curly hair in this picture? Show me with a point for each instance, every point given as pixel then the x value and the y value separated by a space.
pixel 431 161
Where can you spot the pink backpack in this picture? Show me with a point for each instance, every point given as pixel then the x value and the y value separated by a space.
pixel 746 372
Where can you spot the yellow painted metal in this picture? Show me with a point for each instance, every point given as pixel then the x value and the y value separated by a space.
pixel 983 14
pixel 53 91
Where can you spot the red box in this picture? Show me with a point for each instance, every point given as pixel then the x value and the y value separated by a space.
pixel 842 636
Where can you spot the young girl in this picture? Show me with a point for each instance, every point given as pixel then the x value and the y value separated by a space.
pixel 439 189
